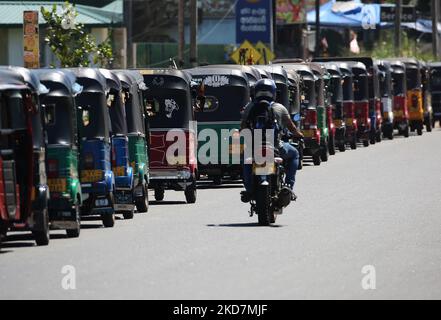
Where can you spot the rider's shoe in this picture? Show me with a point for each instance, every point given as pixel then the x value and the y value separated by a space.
pixel 293 196
pixel 245 196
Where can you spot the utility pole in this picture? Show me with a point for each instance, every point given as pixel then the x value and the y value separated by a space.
pixel 435 37
pixel 398 28
pixel 181 44
pixel 317 28
pixel 128 23
pixel 193 32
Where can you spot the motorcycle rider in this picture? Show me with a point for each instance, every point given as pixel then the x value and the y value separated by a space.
pixel 265 90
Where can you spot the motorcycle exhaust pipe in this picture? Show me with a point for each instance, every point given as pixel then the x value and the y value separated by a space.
pixel 284 197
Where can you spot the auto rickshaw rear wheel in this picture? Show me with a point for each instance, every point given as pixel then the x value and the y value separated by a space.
pixel 331 145
pixel 159 194
pixel 108 220
pixel 75 233
pixel 316 158
pixel 420 131
pixel 324 153
pixel 378 136
pixel 142 204
pixel 191 193
pixel 341 147
pixel 366 143
pixel 406 132
pixel 128 214
pixel 42 236
pixel 428 125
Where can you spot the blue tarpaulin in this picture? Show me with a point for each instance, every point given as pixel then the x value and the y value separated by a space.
pixel 346 14
pixel 355 14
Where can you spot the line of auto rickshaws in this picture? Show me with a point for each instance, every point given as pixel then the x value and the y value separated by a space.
pixel 92 142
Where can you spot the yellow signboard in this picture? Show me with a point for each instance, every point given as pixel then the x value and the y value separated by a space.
pixel 246 54
pixel 31 45
pixel 266 54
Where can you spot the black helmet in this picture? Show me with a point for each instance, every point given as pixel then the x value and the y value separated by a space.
pixel 265 89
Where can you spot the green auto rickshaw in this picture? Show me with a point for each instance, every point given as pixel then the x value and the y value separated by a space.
pixel 62 150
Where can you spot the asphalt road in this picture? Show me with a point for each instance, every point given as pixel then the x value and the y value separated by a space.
pixel 377 206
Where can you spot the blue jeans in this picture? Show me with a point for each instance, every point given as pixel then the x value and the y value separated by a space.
pixel 291 157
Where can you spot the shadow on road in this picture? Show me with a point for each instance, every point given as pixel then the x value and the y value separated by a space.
pixel 242 225
pixel 220 186
pixel 162 203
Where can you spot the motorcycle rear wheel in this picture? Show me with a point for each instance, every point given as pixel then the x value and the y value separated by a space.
pixel 263 206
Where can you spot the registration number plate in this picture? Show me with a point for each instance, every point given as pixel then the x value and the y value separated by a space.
pixel 57 185
pixel 101 202
pixel 338 123
pixel 308 133
pixel 91 175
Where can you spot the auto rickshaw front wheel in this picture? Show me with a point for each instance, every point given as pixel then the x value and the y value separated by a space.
pixel 41 235
pixel 420 131
pixel 159 194
pixel 366 143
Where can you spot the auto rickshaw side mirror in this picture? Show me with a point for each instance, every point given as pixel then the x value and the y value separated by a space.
pixel 200 104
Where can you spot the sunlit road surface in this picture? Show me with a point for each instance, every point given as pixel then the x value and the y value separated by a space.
pixel 378 206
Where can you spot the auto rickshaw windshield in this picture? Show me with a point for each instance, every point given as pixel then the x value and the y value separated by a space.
pixel 12 110
pixel 134 114
pixel 168 108
pixel 116 112
pixel 398 84
pixel 336 90
pixel 308 93
pixel 348 90
pixel 413 78
pixel 361 91
pixel 93 117
pixel 59 123
pixel 384 85
pixel 435 80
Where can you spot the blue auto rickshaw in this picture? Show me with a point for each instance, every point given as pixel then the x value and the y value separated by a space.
pixel 133 84
pixel 122 171
pixel 96 175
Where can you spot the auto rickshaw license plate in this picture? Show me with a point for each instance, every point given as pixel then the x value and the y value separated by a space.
pixel 338 123
pixel 119 171
pixel 398 113
pixel 91 175
pixel 349 122
pixel 308 133
pixel 57 185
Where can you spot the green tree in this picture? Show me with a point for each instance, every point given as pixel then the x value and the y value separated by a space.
pixel 70 42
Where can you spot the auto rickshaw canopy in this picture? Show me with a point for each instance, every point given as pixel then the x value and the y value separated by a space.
pixel 93 117
pixel 226 93
pixel 168 99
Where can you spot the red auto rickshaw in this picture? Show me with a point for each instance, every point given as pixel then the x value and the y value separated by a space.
pixel 24 192
pixel 169 106
pixel 399 93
